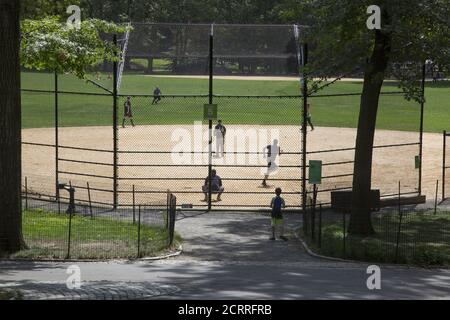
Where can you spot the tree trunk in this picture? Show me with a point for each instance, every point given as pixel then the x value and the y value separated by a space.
pixel 149 69
pixel 10 129
pixel 360 221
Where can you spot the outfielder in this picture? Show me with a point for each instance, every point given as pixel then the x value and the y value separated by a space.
pixel 127 113
pixel 157 95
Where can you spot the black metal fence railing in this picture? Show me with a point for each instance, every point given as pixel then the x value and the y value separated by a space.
pixel 168 149
pixel 77 229
pixel 403 235
pixel 445 165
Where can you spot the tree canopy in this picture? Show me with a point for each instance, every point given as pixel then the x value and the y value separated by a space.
pixel 341 42
pixel 49 44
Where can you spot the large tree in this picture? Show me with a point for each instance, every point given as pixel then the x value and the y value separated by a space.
pixel 42 44
pixel 10 128
pixel 412 32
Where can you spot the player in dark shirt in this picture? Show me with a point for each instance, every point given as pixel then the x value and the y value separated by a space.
pixel 216 183
pixel 277 204
pixel 127 113
pixel 156 95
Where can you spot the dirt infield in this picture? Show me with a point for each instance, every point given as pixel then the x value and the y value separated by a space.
pixel 390 164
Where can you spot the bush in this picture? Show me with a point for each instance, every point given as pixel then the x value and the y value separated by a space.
pixel 429 256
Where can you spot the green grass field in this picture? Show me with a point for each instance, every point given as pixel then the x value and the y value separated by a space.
pixel 81 110
pixel 46 235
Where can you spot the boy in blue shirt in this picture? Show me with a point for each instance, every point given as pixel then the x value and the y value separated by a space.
pixel 277 217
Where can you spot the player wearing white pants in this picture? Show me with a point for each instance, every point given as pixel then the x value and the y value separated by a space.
pixel 272 153
pixel 220 132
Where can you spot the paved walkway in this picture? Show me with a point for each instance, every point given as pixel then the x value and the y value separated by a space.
pixel 236 237
pixel 227 256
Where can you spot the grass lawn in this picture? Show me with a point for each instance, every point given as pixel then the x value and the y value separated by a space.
pixel 46 235
pixel 80 110
pixel 424 240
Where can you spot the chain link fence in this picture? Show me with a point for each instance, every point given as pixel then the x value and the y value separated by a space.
pixel 119 158
pixel 445 166
pixel 76 229
pixel 404 235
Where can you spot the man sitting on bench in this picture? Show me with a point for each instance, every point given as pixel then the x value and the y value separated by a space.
pixel 216 183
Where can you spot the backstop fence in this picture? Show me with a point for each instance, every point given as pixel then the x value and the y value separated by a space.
pixel 79 133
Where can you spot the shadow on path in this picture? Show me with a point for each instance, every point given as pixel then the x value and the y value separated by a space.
pixel 238 237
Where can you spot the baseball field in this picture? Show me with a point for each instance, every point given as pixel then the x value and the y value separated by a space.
pixel 85 122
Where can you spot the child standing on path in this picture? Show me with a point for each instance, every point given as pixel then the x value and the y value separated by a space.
pixel 277 217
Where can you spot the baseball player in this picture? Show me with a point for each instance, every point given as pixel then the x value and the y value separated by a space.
pixel 272 152
pixel 220 132
pixel 308 117
pixel 127 113
pixel 156 95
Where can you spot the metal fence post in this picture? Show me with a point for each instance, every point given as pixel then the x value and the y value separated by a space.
pixel 70 235
pixel 115 129
pixel 56 138
pixel 26 193
pixel 304 129
pixel 344 249
pixel 134 206
pixel 444 164
pixel 399 223
pixel 139 233
pixel 313 213
pixel 436 197
pixel 168 209
pixel 422 108
pixel 172 217
pixel 89 197
pixel 320 227
pixel 211 87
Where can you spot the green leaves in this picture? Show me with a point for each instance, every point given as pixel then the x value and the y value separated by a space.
pixel 340 41
pixel 48 44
